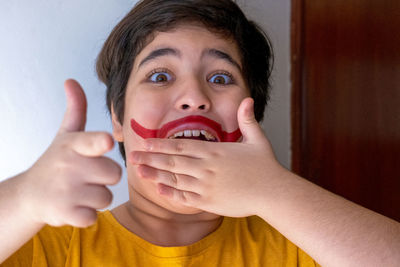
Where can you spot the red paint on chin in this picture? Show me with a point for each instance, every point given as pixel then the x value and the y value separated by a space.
pixel 189 122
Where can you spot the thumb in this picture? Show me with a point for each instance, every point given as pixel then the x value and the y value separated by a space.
pixel 251 130
pixel 75 115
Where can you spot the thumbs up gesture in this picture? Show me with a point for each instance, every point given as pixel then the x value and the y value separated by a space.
pixel 229 179
pixel 68 182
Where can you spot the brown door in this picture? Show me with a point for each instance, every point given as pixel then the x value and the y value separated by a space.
pixel 346 99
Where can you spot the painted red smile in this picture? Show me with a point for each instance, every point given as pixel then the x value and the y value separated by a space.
pixel 187 123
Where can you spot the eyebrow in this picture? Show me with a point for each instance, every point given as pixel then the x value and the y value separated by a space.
pixel 208 52
pixel 222 55
pixel 159 53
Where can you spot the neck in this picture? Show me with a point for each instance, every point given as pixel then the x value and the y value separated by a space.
pixel 161 226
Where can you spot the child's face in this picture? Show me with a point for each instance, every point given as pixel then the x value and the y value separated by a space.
pixel 189 71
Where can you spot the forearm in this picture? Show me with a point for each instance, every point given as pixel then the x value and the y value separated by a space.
pixel 334 231
pixel 16 227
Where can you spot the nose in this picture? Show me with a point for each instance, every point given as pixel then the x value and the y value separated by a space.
pixel 193 98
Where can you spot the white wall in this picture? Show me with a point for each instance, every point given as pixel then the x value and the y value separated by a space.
pixel 274 17
pixel 45 42
pixel 42 44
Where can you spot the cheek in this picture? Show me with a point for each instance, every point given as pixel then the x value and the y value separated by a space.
pixel 228 109
pixel 146 108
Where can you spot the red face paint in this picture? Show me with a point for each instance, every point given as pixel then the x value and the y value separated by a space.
pixel 186 123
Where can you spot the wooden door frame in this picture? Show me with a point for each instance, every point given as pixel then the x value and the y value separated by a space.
pixel 297 96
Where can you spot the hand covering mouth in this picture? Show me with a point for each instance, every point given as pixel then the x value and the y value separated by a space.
pixel 190 127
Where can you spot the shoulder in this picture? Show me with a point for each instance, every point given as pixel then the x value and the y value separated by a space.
pixel 52 245
pixel 48 247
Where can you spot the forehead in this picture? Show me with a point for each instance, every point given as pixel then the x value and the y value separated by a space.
pixel 191 40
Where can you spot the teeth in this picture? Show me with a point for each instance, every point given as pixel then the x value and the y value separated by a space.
pixel 196 133
pixel 178 134
pixel 209 136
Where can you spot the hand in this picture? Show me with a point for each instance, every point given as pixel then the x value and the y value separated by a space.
pixel 224 178
pixel 68 182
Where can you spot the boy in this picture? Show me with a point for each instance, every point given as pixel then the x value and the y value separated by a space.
pixel 181 70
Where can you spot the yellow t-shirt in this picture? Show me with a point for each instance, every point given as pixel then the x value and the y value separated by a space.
pixel 237 242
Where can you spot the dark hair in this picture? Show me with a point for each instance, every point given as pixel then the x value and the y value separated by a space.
pixel 224 17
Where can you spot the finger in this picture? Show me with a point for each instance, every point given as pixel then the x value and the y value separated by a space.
pixel 93 196
pixel 251 130
pixel 186 198
pixel 103 170
pixel 178 181
pixel 185 147
pixel 75 115
pixel 172 163
pixel 82 217
pixel 90 144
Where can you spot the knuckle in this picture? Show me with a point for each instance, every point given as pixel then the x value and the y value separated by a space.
pixel 177 195
pixel 183 196
pixel 215 153
pixel 65 170
pixel 189 199
pixel 63 162
pixel 162 177
pixel 64 144
pixel 65 139
pixel 209 173
pixel 152 145
pixel 180 181
pixel 63 185
pixel 62 189
pixel 188 181
pixel 171 162
pixel 179 147
pixel 174 179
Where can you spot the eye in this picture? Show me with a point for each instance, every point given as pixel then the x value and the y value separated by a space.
pixel 160 77
pixel 221 79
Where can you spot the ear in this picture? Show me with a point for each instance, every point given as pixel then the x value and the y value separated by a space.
pixel 117 127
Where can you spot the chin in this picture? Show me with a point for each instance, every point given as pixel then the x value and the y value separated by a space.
pixel 149 193
pixel 171 205
pixel 180 209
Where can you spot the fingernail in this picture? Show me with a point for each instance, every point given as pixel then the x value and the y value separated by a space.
pixel 164 190
pixel 143 172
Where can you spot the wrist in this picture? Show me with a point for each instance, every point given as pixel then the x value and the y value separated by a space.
pixel 25 202
pixel 273 190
